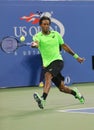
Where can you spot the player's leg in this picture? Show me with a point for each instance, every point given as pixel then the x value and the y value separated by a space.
pixel 59 82
pixel 41 82
pixel 48 76
pixel 51 71
pixel 75 92
pixel 41 99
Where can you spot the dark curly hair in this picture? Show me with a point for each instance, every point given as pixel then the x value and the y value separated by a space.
pixel 44 18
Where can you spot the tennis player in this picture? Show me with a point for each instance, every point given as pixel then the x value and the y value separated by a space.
pixel 48 42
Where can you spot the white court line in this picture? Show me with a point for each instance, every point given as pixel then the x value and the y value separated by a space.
pixel 78 110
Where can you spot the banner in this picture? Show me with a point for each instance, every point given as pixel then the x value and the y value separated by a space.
pixel 74 21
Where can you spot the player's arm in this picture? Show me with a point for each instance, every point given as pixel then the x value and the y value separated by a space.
pixel 71 52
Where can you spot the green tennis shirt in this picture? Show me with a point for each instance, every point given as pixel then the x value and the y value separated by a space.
pixel 49 46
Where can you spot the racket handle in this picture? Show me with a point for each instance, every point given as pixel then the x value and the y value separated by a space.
pixel 32 44
pixel 29 43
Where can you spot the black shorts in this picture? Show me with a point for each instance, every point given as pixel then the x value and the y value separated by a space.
pixel 55 69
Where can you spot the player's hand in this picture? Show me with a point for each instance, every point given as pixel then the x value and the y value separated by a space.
pixel 80 60
pixel 34 44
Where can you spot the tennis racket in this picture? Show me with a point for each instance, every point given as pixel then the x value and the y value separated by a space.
pixel 10 44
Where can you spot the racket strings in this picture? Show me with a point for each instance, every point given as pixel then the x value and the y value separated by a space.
pixel 9 44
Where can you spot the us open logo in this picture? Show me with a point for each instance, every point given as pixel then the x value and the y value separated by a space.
pixel 32 28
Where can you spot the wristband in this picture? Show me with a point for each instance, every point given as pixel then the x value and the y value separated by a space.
pixel 75 56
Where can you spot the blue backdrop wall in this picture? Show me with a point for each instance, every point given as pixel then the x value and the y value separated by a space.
pixel 75 22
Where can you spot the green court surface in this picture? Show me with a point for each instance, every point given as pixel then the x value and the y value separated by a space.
pixel 19 111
